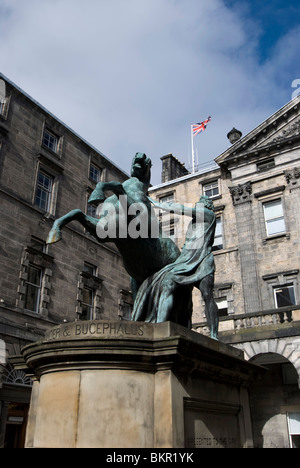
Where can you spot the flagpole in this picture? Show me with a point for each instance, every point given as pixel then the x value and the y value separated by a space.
pixel 193 153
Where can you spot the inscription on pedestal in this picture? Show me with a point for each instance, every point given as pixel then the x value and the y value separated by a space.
pixel 211 425
pixel 100 329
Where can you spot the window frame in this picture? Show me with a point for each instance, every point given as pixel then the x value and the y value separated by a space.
pixel 265 165
pixel 91 210
pixel 4 100
pixel 89 280
pixel 55 148
pixel 284 286
pixel 279 280
pixel 274 218
pixel 291 433
pixel 37 286
pixel 3 107
pixel 210 186
pixel 49 193
pixel 219 301
pixel 215 246
pixel 90 315
pixel 95 167
pixel 167 219
pixel 89 269
pixel 125 305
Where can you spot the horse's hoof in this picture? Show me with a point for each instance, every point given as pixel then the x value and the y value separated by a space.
pixel 96 197
pixel 54 236
pixel 96 200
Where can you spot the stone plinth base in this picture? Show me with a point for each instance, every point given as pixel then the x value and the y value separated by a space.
pixel 136 385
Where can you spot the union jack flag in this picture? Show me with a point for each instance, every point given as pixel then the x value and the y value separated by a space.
pixel 200 127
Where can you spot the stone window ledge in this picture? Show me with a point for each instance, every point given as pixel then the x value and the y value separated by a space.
pixel 225 251
pixel 283 235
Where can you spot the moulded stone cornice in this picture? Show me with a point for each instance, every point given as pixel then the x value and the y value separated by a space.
pixel 135 346
pixel 281 129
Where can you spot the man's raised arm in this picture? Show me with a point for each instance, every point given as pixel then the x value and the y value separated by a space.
pixel 175 208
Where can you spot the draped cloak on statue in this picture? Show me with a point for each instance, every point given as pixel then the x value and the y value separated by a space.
pixel 195 262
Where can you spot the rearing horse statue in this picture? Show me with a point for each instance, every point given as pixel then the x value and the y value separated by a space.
pixel 142 255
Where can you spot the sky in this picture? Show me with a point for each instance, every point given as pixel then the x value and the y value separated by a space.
pixel 133 75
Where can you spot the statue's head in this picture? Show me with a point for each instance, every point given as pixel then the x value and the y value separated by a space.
pixel 208 203
pixel 141 167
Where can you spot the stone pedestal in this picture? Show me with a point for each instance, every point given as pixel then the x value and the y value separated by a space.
pixel 137 385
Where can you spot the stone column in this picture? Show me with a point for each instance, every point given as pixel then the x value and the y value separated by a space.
pixel 242 201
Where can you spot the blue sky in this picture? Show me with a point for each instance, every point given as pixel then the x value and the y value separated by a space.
pixel 132 75
pixel 271 19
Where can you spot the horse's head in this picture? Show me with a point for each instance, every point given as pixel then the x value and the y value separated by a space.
pixel 141 168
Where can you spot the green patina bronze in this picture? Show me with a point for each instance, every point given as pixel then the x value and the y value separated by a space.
pixel 162 277
pixel 142 256
pixel 165 296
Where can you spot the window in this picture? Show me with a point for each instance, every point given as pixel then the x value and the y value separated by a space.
pixel 95 173
pixel 266 165
pixel 167 218
pixel 2 95
pixel 282 291
pixel 89 269
pixel 224 298
pixel 4 101
pixel 284 296
pixel 2 105
pixel 89 293
pixel 222 305
pixel 218 243
pixel 38 245
pixel 125 304
pixel 44 191
pixel 126 311
pixel 294 429
pixel 87 304
pixel 167 198
pixel 91 210
pixel 274 217
pixel 33 288
pixel 211 190
pixel 50 140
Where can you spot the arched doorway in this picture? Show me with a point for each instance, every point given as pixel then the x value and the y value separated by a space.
pixel 275 403
pixel 15 395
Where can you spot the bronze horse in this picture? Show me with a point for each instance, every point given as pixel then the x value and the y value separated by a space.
pixel 142 255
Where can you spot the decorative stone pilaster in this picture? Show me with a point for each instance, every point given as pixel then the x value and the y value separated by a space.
pixel 293 178
pixel 241 193
pixel 242 201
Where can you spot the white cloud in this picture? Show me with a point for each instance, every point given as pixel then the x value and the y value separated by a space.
pixel 132 75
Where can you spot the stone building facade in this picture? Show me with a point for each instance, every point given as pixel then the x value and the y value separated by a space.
pixel 46 170
pixel 255 187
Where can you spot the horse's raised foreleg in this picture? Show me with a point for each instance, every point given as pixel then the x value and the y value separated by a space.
pixel 98 194
pixel 75 215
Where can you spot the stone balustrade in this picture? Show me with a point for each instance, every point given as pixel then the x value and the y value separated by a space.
pixel 267 318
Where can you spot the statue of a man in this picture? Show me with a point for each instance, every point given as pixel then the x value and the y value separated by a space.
pixel 160 298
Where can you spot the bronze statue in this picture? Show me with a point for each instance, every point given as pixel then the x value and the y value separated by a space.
pixel 142 255
pixel 162 277
pixel 164 296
